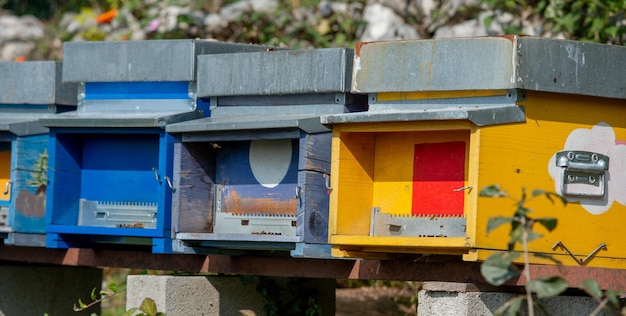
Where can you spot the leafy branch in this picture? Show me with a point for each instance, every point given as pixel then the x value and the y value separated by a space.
pixel 147 308
pixel 499 267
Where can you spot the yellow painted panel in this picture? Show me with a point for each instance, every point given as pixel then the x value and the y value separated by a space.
pixel 5 174
pixel 393 166
pixel 352 181
pixel 392 241
pixel 421 95
pixel 406 126
pixel 566 260
pixel 522 155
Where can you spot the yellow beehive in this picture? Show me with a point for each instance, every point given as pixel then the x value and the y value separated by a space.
pixel 449 117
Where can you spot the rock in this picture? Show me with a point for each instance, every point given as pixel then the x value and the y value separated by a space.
pixel 20 28
pixel 384 24
pixel 465 29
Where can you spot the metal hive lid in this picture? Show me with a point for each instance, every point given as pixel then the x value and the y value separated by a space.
pixel 491 63
pixel 155 60
pixel 34 82
pixel 275 72
pixel 29 91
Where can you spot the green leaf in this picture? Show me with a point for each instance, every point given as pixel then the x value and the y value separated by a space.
pixel 113 287
pixel 148 306
pixel 492 191
pixel 516 235
pixel 548 222
pixel 531 235
pixel 130 312
pixel 497 269
pixel 81 304
pixel 547 287
pixel 549 196
pixel 592 288
pixel 511 307
pixel 93 294
pixel 495 222
pixel 612 296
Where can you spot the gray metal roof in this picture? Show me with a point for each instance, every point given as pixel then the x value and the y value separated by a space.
pixel 275 72
pixel 156 60
pixel 34 82
pixel 308 123
pixel 491 63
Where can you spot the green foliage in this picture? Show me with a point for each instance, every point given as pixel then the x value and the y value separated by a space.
pixel 294 296
pixel 280 27
pixel 500 268
pixel 40 174
pixel 147 308
pixel 598 21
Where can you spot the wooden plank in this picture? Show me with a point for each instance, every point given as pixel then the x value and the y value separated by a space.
pixel 352 182
pixel 313 207
pixel 315 152
pixel 196 179
pixel 30 184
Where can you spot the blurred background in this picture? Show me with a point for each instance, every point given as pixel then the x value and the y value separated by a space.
pixel 36 29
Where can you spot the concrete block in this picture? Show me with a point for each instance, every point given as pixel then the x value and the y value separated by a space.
pixel 452 299
pixel 35 290
pixel 211 295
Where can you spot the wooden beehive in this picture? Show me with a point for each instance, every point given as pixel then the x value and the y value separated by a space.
pixel 254 175
pixel 449 117
pixel 111 160
pixel 28 91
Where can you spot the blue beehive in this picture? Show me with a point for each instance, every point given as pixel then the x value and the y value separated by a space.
pixel 254 176
pixel 111 160
pixel 28 91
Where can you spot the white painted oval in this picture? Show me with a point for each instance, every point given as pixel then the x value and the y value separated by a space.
pixel 270 160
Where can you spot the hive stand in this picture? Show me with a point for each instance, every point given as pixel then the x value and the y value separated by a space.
pixel 28 91
pixel 450 117
pixel 111 160
pixel 254 177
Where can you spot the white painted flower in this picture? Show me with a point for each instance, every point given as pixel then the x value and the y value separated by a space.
pixel 599 139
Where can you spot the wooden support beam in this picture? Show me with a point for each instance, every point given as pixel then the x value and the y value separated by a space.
pixel 428 268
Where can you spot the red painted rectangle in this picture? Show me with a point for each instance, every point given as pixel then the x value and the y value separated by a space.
pixel 438 169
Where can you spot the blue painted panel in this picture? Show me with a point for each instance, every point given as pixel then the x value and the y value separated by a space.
pixel 242 192
pixel 120 168
pixel 136 90
pixel 93 230
pixel 64 175
pixel 108 165
pixel 30 181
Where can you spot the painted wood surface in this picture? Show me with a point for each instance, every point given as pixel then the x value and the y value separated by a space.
pixel 522 156
pixel 194 171
pixel 30 174
pixel 438 173
pixel 271 190
pixel 5 170
pixel 108 165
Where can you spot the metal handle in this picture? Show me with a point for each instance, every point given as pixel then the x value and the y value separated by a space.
pixel 327 178
pixel 582 167
pixel 156 174
pixel 6 189
pixel 579 261
pixel 167 179
pixel 169 183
